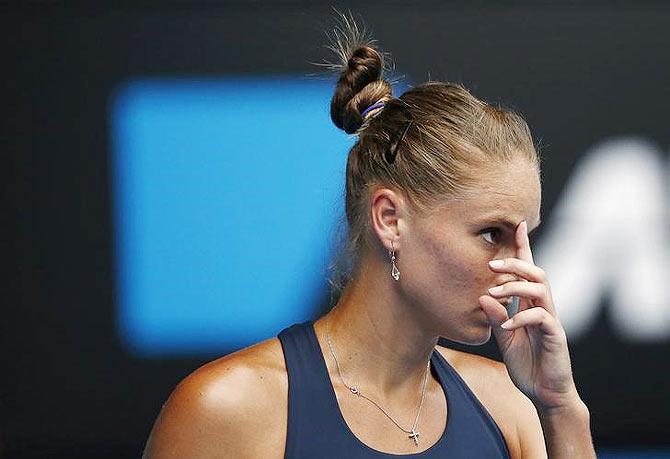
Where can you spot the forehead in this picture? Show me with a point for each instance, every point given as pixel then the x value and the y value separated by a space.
pixel 510 191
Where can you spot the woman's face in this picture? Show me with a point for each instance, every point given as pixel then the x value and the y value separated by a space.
pixel 444 256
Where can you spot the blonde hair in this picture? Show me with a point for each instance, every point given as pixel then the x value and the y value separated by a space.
pixel 431 143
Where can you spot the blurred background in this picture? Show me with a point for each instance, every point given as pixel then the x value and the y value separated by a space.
pixel 174 185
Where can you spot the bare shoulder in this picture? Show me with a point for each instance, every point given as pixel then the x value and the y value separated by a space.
pixel 512 411
pixel 234 406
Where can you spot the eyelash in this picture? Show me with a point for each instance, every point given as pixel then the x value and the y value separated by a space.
pixel 491 230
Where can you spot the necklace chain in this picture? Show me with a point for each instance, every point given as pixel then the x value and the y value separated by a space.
pixel 356 391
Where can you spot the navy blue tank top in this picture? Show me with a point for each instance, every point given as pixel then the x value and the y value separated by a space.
pixel 317 429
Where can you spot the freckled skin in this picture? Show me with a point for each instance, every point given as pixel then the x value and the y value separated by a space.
pixel 446 257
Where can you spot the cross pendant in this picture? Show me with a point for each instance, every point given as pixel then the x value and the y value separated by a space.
pixel 415 436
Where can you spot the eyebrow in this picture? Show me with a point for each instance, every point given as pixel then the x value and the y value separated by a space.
pixel 511 225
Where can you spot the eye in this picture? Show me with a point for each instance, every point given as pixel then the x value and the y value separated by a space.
pixel 495 233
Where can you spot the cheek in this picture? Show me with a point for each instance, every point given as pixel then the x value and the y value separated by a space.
pixel 462 273
pixel 458 268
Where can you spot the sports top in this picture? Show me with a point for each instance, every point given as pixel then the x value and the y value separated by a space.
pixel 317 429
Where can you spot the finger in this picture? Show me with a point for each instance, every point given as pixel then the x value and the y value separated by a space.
pixel 536 317
pixel 523 251
pixel 537 293
pixel 494 310
pixel 496 314
pixel 521 268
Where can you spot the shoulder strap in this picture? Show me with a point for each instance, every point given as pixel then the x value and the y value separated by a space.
pixel 469 421
pixel 312 407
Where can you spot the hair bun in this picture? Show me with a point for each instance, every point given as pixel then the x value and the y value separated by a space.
pixel 360 84
pixel 366 60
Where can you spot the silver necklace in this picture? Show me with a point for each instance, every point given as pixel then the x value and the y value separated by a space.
pixel 413 433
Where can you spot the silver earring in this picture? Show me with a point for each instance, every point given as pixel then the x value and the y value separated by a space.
pixel 395 273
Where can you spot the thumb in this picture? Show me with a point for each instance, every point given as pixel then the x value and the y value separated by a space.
pixel 496 315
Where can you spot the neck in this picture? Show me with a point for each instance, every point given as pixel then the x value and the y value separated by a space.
pixel 379 343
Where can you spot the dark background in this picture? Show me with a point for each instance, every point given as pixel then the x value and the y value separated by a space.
pixel 68 389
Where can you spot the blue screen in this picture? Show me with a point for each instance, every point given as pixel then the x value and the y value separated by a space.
pixel 227 196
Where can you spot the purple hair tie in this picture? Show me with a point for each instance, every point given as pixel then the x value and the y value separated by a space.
pixel 379 104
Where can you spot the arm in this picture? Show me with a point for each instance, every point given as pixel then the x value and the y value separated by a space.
pixel 567 431
pixel 554 433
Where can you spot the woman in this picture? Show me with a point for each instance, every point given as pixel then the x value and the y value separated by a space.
pixel 441 190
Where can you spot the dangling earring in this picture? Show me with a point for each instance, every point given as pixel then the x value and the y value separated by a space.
pixel 395 273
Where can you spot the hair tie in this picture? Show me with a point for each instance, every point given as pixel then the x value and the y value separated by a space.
pixel 378 104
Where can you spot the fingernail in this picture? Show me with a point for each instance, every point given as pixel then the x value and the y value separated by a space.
pixel 496 290
pixel 496 263
pixel 506 325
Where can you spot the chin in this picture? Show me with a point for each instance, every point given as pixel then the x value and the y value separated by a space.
pixel 482 338
pixel 477 336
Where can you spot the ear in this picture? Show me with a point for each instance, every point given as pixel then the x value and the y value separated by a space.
pixel 388 209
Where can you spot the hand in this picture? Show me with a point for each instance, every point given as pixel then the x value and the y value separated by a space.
pixel 533 343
